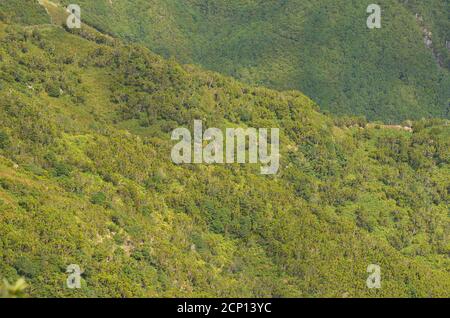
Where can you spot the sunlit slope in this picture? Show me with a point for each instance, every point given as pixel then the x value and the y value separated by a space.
pixel 86 178
pixel 23 11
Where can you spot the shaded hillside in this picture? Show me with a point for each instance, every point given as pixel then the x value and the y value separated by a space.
pixel 322 48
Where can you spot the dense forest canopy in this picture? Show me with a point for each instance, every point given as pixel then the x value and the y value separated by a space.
pixel 86 178
pixel 322 48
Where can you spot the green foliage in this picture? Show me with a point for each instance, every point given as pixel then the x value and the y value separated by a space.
pixel 322 48
pixel 4 140
pixel 434 15
pixel 53 90
pixel 27 267
pixel 16 290
pixel 90 184
pixel 62 170
pixel 23 12
pixel 98 198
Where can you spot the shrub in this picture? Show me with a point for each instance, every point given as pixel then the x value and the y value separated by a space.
pixel 53 90
pixel 62 170
pixel 27 267
pixel 98 198
pixel 4 140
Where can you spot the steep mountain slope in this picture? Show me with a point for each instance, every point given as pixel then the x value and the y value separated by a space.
pixel 86 178
pixel 434 16
pixel 322 48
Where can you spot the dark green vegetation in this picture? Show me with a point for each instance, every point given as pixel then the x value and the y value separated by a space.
pixel 435 16
pixel 322 48
pixel 86 178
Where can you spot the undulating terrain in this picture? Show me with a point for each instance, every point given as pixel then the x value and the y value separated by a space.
pixel 322 48
pixel 86 176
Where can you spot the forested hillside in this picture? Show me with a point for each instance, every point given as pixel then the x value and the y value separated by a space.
pixel 322 48
pixel 86 178
pixel 23 12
